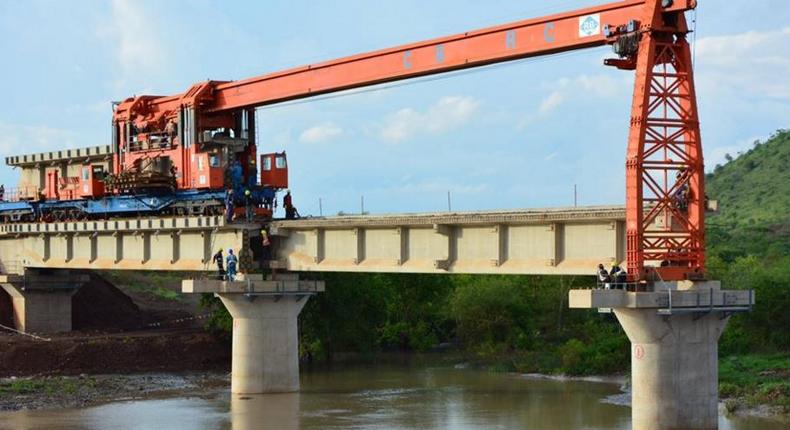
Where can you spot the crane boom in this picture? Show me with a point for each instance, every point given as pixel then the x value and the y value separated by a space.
pixel 665 190
pixel 522 39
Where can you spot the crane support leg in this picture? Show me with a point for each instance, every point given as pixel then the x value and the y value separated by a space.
pixel 664 167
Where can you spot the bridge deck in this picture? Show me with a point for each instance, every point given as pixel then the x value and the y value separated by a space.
pixel 534 241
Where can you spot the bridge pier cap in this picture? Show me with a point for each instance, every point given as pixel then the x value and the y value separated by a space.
pixel 674 329
pixel 265 357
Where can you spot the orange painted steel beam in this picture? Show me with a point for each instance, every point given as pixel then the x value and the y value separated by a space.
pixel 522 39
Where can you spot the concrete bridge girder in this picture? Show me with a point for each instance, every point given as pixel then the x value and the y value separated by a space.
pixel 572 242
pixel 185 244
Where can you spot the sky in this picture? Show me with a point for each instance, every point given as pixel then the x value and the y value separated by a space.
pixel 517 135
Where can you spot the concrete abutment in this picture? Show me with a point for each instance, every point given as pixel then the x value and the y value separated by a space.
pixel 41 302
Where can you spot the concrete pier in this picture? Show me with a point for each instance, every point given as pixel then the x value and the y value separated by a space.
pixel 674 368
pixel 265 328
pixel 674 331
pixel 41 302
pixel 265 343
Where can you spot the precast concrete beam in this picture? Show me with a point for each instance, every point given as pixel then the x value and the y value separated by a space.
pixel 172 243
pixel 569 241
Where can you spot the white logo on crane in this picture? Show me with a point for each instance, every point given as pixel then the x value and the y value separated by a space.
pixel 589 25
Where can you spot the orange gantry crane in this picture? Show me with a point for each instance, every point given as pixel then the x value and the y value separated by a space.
pixel 664 168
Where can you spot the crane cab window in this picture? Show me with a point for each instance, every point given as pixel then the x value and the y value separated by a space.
pixel 98 172
pixel 267 163
pixel 213 160
pixel 279 162
pixel 86 173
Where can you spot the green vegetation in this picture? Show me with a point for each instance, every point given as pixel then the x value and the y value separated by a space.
pixel 753 380
pixel 753 191
pixel 522 322
pixel 50 386
pixel 157 285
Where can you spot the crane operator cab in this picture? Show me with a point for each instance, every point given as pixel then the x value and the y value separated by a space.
pixel 274 170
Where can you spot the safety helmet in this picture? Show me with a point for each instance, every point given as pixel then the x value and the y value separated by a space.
pixel 230 251
pixel 247 192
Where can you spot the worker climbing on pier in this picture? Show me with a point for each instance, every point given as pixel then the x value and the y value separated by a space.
pixel 248 205
pixel 229 205
pixel 232 261
pixel 265 246
pixel 681 195
pixel 220 260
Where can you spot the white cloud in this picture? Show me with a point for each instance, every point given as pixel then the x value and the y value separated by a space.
pixel 753 63
pixel 551 102
pixel 136 39
pixel 447 113
pixel 16 139
pixel 563 90
pixel 321 133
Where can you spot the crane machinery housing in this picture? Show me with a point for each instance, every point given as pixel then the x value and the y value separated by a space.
pixel 180 152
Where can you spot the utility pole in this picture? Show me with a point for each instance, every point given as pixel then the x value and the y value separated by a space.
pixel 449 204
pixel 362 205
pixel 320 207
pixel 574 195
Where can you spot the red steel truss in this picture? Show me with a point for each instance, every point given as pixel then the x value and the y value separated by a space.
pixel 665 197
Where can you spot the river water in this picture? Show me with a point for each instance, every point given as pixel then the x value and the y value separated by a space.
pixel 380 397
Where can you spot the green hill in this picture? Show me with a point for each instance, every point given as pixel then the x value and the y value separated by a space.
pixel 753 191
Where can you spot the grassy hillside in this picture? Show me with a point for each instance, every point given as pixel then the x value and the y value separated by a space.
pixel 753 191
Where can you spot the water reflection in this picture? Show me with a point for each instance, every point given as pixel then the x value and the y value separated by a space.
pixel 371 398
pixel 264 412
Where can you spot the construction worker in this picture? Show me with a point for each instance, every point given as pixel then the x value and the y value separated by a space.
pixel 231 261
pixel 287 200
pixel 681 195
pixel 617 275
pixel 603 276
pixel 290 210
pixel 229 205
pixel 265 246
pixel 220 260
pixel 2 192
pixel 248 205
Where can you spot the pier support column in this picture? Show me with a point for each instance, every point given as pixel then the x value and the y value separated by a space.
pixel 674 328
pixel 265 336
pixel 674 369
pixel 42 302
pixel 265 343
